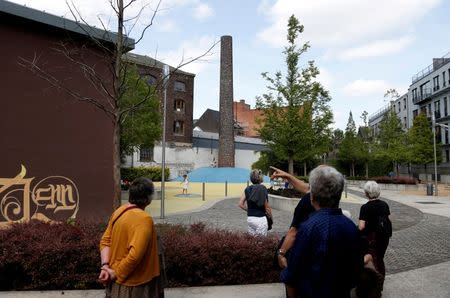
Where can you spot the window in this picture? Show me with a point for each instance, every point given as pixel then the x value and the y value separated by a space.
pixel 423 109
pixel 178 127
pixel 404 103
pixel 446 132
pixel 445 107
pixel 436 83
pixel 414 94
pixel 437 109
pixel 151 80
pixel 447 156
pixel 178 105
pixel 415 112
pixel 146 154
pixel 179 86
pixel 443 79
pixel 399 107
pixel 429 110
pixel 404 121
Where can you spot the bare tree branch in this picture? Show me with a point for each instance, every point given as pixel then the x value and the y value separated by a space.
pixel 77 16
pixel 150 24
pixel 33 66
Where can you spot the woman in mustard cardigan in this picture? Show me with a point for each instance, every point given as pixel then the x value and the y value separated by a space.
pixel 129 248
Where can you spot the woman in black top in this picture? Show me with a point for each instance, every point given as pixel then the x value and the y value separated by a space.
pixel 375 225
pixel 255 200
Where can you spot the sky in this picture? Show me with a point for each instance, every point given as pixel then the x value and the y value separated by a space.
pixel 362 47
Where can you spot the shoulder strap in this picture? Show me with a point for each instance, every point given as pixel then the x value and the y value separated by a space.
pixel 123 211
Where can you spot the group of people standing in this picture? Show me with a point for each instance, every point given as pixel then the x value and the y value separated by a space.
pixel 324 254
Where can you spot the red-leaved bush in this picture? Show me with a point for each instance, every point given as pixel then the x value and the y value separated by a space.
pixel 394 180
pixel 43 256
pixel 198 256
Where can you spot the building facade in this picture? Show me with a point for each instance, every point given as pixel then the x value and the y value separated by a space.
pixel 428 93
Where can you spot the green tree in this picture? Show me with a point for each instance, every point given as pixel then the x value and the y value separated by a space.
pixel 392 140
pixel 421 142
pixel 351 146
pixel 297 116
pixel 365 136
pixel 142 126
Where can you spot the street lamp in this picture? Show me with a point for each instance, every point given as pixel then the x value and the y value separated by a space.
pixel 433 123
pixel 166 74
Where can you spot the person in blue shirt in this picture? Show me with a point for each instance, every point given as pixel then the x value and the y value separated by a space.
pixel 327 256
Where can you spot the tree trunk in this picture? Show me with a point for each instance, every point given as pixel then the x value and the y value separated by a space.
pixel 353 169
pixel 291 166
pixel 367 169
pixel 116 166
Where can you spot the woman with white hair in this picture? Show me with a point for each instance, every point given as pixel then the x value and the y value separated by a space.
pixel 375 225
pixel 255 200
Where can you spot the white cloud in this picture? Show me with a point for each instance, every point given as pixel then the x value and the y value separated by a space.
pixel 189 50
pixel 167 26
pixel 203 11
pixel 325 78
pixel 366 88
pixel 376 48
pixel 339 23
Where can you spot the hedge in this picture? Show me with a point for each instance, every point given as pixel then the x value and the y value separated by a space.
pixel 154 173
pixel 387 179
pixel 47 256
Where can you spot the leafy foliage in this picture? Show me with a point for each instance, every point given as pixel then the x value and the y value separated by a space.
pixel 153 173
pixel 142 125
pixel 392 139
pixel 351 148
pixel 297 117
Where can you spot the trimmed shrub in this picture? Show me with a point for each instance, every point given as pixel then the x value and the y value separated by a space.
pixel 47 256
pixel 197 256
pixel 394 180
pixel 153 173
pixel 286 192
pixel 44 256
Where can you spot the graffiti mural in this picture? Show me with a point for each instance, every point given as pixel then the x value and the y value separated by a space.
pixel 53 198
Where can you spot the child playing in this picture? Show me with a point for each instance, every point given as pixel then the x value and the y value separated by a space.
pixel 185 184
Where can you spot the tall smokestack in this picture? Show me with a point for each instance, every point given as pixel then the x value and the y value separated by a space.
pixel 226 133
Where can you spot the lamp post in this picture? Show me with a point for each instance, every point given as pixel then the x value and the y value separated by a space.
pixel 166 73
pixel 433 123
pixel 433 119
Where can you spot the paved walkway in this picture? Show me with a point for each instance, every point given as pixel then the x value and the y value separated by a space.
pixel 419 239
pixel 417 259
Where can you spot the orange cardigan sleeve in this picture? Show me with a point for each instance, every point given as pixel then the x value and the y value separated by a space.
pixel 106 238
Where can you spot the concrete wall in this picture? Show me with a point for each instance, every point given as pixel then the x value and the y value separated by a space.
pixel 283 203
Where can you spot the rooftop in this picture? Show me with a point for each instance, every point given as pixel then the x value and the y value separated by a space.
pixel 148 61
pixel 437 63
pixel 62 23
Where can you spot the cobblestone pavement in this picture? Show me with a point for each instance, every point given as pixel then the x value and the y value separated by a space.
pixel 418 240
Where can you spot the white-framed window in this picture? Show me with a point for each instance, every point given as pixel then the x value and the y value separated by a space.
pixel 178 105
pixel 178 127
pixel 146 154
pixel 179 86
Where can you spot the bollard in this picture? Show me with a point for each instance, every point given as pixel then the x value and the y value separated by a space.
pixel 203 191
pixel 226 188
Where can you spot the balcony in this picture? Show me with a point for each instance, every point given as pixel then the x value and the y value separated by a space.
pixel 437 63
pixel 426 94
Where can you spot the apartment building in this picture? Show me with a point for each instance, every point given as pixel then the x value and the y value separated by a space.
pixel 428 93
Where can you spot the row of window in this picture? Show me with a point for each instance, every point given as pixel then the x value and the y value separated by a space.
pixel 425 89
pixel 177 86
pixel 438 113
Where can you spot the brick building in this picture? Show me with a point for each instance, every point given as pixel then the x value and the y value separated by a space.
pixel 246 117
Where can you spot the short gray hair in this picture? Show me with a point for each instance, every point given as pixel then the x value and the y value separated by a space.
pixel 326 185
pixel 256 176
pixel 372 189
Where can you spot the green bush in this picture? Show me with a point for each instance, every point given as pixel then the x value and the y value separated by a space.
pixel 153 173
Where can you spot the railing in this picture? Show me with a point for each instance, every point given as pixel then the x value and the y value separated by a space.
pixel 426 93
pixel 380 112
pixel 430 68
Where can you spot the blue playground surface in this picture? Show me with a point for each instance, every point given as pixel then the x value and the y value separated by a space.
pixel 220 175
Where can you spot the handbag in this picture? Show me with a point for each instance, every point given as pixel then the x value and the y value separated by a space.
pixel 269 221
